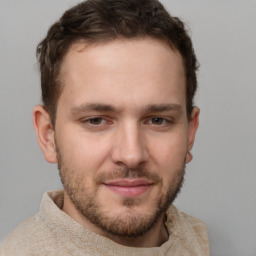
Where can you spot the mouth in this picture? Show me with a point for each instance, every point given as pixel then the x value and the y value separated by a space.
pixel 129 187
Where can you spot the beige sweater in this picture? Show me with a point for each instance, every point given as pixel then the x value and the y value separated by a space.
pixel 51 232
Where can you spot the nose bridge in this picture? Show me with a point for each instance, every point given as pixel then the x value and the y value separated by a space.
pixel 130 145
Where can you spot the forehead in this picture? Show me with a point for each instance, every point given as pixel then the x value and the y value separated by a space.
pixel 123 68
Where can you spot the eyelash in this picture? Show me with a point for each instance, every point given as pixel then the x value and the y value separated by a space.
pixel 102 120
pixel 89 120
pixel 163 120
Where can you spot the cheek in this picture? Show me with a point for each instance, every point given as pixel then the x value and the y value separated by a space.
pixel 168 159
pixel 82 150
pixel 170 151
pixel 170 167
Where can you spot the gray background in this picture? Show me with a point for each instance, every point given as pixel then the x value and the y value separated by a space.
pixel 220 182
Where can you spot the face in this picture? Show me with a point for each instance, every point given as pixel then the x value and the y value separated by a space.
pixel 122 134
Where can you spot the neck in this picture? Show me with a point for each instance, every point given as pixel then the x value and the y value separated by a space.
pixel 155 237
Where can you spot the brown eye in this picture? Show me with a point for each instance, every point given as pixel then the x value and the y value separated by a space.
pixel 96 120
pixel 157 120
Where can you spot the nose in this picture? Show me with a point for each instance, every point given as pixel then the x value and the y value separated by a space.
pixel 130 148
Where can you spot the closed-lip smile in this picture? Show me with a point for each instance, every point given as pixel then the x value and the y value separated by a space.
pixel 131 187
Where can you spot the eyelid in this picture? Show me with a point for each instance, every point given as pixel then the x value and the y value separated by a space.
pixel 88 118
pixel 91 127
pixel 166 119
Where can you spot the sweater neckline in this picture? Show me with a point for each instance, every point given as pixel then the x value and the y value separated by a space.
pixel 59 222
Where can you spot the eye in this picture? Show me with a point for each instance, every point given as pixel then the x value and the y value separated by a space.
pixel 96 120
pixel 158 120
pixel 96 123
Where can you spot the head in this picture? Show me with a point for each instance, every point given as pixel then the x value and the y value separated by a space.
pixel 118 81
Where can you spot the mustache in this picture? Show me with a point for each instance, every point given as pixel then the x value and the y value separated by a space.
pixel 122 173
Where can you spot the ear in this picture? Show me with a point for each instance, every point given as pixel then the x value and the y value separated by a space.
pixel 45 133
pixel 193 125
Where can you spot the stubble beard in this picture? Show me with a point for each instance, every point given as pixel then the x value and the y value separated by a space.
pixel 129 224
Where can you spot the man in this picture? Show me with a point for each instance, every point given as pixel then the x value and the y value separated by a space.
pixel 118 79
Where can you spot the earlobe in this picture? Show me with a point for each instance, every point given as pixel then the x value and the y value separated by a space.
pixel 189 157
pixel 193 126
pixel 45 133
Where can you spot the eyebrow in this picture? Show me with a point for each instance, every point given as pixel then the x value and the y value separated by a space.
pixel 100 107
pixel 156 108
pixel 93 107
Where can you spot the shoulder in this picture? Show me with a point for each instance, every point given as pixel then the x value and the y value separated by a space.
pixel 192 231
pixel 183 220
pixel 198 226
pixel 27 238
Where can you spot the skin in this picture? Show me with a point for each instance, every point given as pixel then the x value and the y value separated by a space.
pixel 121 117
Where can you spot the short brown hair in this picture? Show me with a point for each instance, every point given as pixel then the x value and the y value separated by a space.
pixel 104 20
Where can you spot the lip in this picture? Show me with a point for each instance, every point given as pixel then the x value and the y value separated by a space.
pixel 129 187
